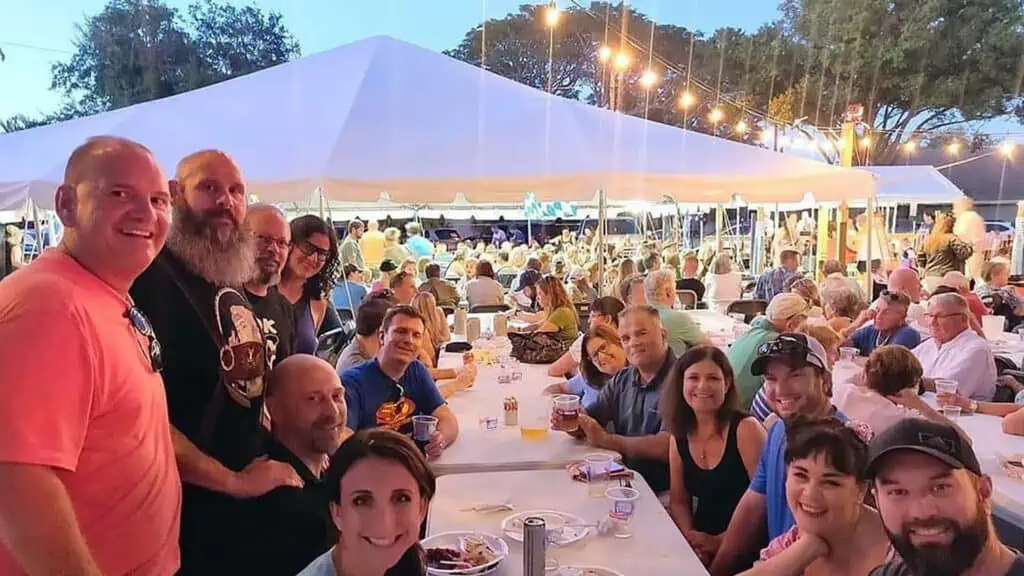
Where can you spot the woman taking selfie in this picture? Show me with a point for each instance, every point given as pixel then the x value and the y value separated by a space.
pixel 836 534
pixel 308 277
pixel 715 447
pixel 379 487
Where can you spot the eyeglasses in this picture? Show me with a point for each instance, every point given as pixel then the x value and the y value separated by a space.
pixel 929 316
pixel 279 243
pixel 792 349
pixel 310 249
pixel 141 325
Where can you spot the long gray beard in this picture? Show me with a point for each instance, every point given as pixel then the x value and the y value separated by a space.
pixel 228 263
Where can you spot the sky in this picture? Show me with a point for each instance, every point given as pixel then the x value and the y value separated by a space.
pixel 35 33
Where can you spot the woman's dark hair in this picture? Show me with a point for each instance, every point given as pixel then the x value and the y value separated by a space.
pixel 590 371
pixel 609 306
pixel 484 268
pixel 319 285
pixel 386 445
pixel 892 369
pixel 349 269
pixel 842 448
pixel 677 415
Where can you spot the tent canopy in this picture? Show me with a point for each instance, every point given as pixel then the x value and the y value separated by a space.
pixel 384 115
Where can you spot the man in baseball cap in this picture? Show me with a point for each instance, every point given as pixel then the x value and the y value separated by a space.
pixel 797 381
pixel 785 312
pixel 936 504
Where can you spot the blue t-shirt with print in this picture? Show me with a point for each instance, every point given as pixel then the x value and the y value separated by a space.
pixel 866 339
pixel 579 386
pixel 367 388
pixel 770 478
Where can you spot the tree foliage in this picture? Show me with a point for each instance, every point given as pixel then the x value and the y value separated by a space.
pixel 918 66
pixel 139 50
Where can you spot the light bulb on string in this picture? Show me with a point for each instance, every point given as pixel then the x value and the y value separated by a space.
pixel 551 16
pixel 865 142
pixel 741 127
pixel 1006 148
pixel 764 137
pixel 910 146
pixel 648 79
pixel 716 115
pixel 605 53
pixel 953 148
pixel 622 61
pixel 687 100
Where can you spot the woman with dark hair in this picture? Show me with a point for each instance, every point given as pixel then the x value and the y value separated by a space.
pixel 602 358
pixel 605 311
pixel 483 289
pixel 715 447
pixel 836 534
pixel 308 277
pixel 378 487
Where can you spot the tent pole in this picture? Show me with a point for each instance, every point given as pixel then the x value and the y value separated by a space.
pixel 600 236
pixel 868 279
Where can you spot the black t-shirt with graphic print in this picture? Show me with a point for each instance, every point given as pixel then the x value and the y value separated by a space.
pixel 218 380
pixel 278 319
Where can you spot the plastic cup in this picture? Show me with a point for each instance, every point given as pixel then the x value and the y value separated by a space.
pixel 423 427
pixel 952 412
pixel 535 419
pixel 567 412
pixel 993 326
pixel 623 505
pixel 945 386
pixel 598 463
pixel 847 354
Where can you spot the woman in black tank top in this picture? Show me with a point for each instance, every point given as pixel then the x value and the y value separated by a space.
pixel 715 447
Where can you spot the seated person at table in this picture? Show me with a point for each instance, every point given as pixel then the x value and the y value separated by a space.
pixel 805 287
pixel 797 380
pixel 906 281
pixel 829 340
pixel 714 449
pixel 631 290
pixel 435 332
pixel 367 340
pixel 484 290
pixel 604 310
pixel 773 281
pixel 403 287
pixel 918 461
pixel 842 306
pixel 444 292
pixel 689 281
pixel 349 293
pixel 886 392
pixel 996 275
pixel 885 323
pixel 376 474
pixel 389 390
pixel 955 351
pixel 525 298
pixel 558 315
pixel 306 403
pixel 962 284
pixel 784 314
pixel 1010 412
pixel 724 285
pixel 630 402
pixel 602 358
pixel 836 534
pixel 683 332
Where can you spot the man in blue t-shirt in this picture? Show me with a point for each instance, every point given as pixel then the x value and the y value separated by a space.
pixel 796 380
pixel 390 389
pixel 889 326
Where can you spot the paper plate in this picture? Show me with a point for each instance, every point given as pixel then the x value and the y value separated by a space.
pixel 455 540
pixel 512 526
pixel 573 570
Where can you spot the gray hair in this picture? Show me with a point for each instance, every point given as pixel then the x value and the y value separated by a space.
pixel 659 280
pixel 643 310
pixel 723 264
pixel 413 228
pixel 954 301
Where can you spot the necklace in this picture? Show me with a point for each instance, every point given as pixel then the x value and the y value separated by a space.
pixel 879 341
pixel 702 445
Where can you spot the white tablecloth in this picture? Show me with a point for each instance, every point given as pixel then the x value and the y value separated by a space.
pixel 655 549
pixel 481 450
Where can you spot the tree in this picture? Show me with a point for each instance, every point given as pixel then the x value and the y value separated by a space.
pixel 139 50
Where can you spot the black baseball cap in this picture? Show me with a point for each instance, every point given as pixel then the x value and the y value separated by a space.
pixel 388 266
pixel 795 349
pixel 529 278
pixel 935 439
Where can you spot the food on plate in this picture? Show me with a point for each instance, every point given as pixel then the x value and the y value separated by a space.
pixel 473 554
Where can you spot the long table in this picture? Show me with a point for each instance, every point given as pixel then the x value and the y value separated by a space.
pixel 656 547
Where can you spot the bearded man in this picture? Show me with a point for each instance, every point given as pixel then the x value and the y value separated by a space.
pixel 215 359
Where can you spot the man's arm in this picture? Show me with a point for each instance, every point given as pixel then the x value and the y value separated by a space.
pixel 447 424
pixel 38 524
pixel 258 478
pixel 747 527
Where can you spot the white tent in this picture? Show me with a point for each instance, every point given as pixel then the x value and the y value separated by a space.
pixel 383 115
pixel 913 185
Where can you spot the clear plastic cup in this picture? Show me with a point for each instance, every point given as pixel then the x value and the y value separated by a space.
pixel 946 386
pixel 598 463
pixel 423 427
pixel 952 412
pixel 567 412
pixel 504 374
pixel 535 419
pixel 623 505
pixel 847 354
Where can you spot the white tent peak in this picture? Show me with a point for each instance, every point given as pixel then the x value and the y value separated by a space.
pixel 381 115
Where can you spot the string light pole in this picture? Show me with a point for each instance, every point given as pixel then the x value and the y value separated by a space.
pixel 551 17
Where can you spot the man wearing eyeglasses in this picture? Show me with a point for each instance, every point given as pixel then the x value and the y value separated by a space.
pixel 277 316
pixel 215 359
pixel 955 351
pixel 797 382
pixel 88 481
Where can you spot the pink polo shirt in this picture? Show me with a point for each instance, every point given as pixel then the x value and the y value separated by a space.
pixel 78 394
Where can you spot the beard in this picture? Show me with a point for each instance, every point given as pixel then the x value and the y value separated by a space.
pixel 227 261
pixel 951 559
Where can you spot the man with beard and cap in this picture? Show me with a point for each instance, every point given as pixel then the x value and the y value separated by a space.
pixel 292 526
pixel 88 482
pixel 215 359
pixel 277 316
pixel 936 504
